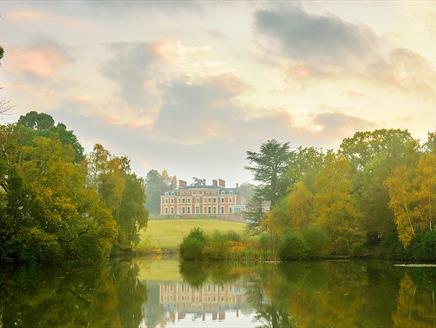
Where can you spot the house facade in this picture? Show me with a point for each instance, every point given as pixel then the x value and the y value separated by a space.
pixel 202 199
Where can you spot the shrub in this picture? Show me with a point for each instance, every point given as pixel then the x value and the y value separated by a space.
pixel 233 236
pixel 218 246
pixel 193 245
pixel 292 247
pixel 317 241
pixel 423 247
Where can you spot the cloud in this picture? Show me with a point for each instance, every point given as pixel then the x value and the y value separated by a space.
pixel 195 113
pixel 335 125
pixel 317 47
pixel 322 39
pixel 131 68
pixel 26 15
pixel 42 59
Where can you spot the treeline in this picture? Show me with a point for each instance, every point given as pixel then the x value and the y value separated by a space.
pixel 57 203
pixel 374 196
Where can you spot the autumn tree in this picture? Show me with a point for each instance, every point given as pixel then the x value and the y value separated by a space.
pixel 122 192
pixel 336 208
pixel 373 156
pixel 412 192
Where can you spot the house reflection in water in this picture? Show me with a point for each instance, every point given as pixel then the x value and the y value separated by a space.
pixel 180 299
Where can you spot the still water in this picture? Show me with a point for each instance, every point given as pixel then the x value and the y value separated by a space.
pixel 165 293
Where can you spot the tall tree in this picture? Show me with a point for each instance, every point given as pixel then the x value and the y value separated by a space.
pixel 121 191
pixel 374 155
pixel 269 167
pixel 155 185
pixel 336 208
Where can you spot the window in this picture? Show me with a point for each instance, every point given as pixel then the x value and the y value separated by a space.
pixel 222 209
pixel 214 200
pixel 183 200
pixel 208 200
pixel 189 210
pixel 172 210
pixel 208 210
pixel 183 210
pixel 166 210
pixel 198 200
pixel 222 199
pixel 214 210
pixel 230 210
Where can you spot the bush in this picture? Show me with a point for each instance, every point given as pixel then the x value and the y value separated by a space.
pixel 233 236
pixel 317 241
pixel 423 247
pixel 193 245
pixel 218 246
pixel 292 247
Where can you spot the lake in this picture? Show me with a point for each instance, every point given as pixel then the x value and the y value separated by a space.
pixel 148 292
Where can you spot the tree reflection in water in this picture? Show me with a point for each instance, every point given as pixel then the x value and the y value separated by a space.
pixel 100 296
pixel 311 294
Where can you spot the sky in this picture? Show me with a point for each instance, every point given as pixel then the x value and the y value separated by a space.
pixel 190 86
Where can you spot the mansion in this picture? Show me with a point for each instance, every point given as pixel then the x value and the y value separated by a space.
pixel 202 199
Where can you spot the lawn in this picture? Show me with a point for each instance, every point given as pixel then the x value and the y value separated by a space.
pixel 168 234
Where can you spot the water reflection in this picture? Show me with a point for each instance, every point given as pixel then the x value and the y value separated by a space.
pixel 101 296
pixel 156 293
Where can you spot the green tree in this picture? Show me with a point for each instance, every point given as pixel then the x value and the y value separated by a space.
pixel 156 184
pixel 122 192
pixel 374 155
pixel 47 210
pixel 45 126
pixel 269 167
pixel 336 208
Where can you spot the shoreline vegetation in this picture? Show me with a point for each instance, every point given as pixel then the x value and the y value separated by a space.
pixel 374 197
pixel 58 204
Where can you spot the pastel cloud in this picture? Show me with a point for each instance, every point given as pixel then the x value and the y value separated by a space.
pixel 43 59
pixel 328 47
pixel 26 15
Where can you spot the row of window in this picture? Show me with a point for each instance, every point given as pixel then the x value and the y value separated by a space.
pixel 207 193
pixel 205 200
pixel 206 210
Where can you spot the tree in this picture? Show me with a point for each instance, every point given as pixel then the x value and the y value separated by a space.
pixel 45 126
pixel 430 145
pixel 412 192
pixel 122 192
pixel 373 156
pixel 300 206
pixel 335 206
pixel 399 187
pixel 247 190
pixel 156 184
pixel 47 211
pixel 269 167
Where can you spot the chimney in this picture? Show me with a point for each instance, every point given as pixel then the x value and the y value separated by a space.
pixel 204 182
pixel 182 183
pixel 221 183
pixel 215 183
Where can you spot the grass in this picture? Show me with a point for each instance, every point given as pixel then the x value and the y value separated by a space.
pixel 168 233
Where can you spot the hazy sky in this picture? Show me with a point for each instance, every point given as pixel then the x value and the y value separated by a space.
pixel 190 86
